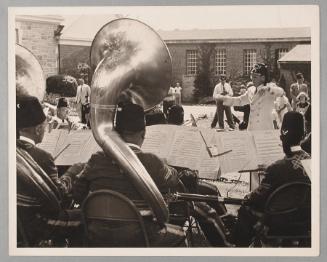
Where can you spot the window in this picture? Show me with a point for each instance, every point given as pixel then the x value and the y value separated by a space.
pixel 191 62
pixel 250 58
pixel 281 52
pixel 221 62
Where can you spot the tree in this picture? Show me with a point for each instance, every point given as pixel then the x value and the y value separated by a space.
pixel 204 80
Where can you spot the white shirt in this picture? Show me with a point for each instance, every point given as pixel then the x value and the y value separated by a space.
pixel 83 91
pixel 219 89
pixel 24 138
pixel 178 90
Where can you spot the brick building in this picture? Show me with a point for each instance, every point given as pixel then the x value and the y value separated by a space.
pixel 232 51
pixel 40 34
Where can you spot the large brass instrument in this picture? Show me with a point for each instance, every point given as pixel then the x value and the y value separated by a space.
pixel 132 63
pixel 29 74
pixel 30 177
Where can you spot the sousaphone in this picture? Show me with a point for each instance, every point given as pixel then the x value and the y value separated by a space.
pixel 31 179
pixel 131 63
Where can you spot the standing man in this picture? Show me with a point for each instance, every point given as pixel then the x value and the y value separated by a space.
pixel 82 97
pixel 260 98
pixel 178 94
pixel 222 89
pixel 296 88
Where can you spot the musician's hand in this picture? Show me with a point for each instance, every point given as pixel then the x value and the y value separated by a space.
pixel 75 169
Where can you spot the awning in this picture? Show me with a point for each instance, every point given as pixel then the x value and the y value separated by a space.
pixel 299 54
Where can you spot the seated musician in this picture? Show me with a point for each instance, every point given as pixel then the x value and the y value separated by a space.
pixel 155 116
pixel 175 115
pixel 289 169
pixel 102 172
pixel 39 219
pixel 61 119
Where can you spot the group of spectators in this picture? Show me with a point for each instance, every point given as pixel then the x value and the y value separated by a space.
pixel 263 103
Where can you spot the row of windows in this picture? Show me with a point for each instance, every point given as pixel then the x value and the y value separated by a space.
pixel 250 58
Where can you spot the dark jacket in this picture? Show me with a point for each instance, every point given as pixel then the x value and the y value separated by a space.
pixel 281 172
pixel 102 173
pixel 46 162
pixel 39 219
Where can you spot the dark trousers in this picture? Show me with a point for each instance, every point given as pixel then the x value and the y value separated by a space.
pixel 243 231
pixel 83 109
pixel 219 116
pixel 246 110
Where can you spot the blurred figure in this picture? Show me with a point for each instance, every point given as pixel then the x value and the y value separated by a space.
pixel 175 115
pixel 223 89
pixel 155 117
pixel 178 94
pixel 169 100
pixel 281 107
pixel 303 106
pixel 296 88
pixel 245 109
pixel 61 119
pixel 82 98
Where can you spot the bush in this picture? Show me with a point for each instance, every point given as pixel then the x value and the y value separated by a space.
pixel 63 85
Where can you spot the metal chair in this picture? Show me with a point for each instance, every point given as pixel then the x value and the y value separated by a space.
pixel 286 221
pixel 105 213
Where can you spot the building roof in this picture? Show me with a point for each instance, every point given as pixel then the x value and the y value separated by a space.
pixel 53 19
pixel 83 29
pixel 299 54
pixel 237 35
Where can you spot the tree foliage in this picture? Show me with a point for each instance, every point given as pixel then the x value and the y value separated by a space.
pixel 63 85
pixel 205 79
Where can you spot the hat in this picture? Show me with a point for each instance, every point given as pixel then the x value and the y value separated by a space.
pixel 261 69
pixel 292 128
pixel 29 112
pixel 175 115
pixel 62 102
pixel 299 75
pixel 302 94
pixel 129 117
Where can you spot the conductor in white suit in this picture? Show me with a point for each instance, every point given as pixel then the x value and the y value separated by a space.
pixel 260 97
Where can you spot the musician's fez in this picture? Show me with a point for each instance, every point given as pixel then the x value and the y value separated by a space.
pixel 30 82
pixel 131 63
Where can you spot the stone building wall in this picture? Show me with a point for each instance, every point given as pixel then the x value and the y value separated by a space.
pixel 38 37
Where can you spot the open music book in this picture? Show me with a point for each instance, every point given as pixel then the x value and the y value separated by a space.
pixel 205 150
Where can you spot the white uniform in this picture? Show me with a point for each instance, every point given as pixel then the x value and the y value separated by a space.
pixel 261 106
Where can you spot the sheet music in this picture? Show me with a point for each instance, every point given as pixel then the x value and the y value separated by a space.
pixel 158 138
pixel 76 151
pixel 187 149
pixel 268 146
pixel 53 141
pixel 242 155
